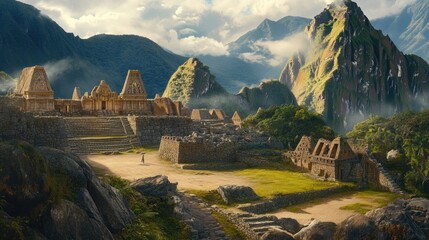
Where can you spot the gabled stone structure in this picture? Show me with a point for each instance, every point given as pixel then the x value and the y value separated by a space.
pixel 133 87
pixel 301 157
pixel 334 160
pixel 236 119
pixel 33 85
pixel 208 115
pixel 76 94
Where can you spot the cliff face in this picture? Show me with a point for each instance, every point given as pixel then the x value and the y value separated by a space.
pixel 352 70
pixel 192 81
pixel 268 93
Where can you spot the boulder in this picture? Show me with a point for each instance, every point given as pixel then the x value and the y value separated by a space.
pixel 393 155
pixel 277 234
pixel 357 227
pixel 111 205
pixel 316 230
pixel 68 221
pixel 394 221
pixel 234 193
pixel 60 193
pixel 157 186
pixel 22 173
pixel 289 224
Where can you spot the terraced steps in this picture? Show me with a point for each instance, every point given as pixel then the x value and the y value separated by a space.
pixel 94 135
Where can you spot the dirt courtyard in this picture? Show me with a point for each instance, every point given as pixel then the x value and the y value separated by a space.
pixel 129 166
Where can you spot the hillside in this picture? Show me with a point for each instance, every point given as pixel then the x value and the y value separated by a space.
pixel 29 38
pixel 409 29
pixel 193 82
pixel 352 70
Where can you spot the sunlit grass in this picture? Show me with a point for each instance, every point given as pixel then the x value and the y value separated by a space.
pixel 361 208
pixel 268 183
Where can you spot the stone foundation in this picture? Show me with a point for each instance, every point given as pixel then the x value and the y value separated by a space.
pixel 180 151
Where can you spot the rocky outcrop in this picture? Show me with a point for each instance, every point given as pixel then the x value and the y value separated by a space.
pixel 59 193
pixel 357 227
pixel 235 194
pixel 277 234
pixel 267 94
pixel 403 219
pixel 157 186
pixel 317 230
pixel 352 70
pixel 289 224
pixel 192 82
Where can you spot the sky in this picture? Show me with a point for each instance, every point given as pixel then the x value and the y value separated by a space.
pixel 188 27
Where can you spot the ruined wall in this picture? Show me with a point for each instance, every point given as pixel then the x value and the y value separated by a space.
pixel 150 129
pixel 324 170
pixel 182 152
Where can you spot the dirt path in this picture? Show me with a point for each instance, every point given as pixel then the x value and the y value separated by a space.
pixel 129 166
pixel 328 211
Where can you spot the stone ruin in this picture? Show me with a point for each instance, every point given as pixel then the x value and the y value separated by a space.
pixel 36 95
pixel 211 143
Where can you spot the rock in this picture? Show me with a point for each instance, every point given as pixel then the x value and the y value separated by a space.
pixel 60 191
pixel 289 224
pixel 277 234
pixel 158 186
pixel 111 205
pixel 234 193
pixel 393 221
pixel 67 221
pixel 21 176
pixel 393 155
pixel 357 227
pixel 316 230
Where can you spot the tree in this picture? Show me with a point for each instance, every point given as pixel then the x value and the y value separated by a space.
pixel 289 123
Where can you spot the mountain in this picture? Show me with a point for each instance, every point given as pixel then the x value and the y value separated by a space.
pixel 409 29
pixel 29 38
pixel 192 82
pixel 268 30
pixel 352 70
pixel 6 82
pixel 236 71
pixel 267 94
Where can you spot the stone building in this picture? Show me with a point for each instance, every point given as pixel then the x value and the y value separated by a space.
pixel 236 119
pixel 334 160
pixel 33 86
pixel 208 115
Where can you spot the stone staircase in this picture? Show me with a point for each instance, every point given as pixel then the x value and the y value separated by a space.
pixel 93 135
pixel 390 182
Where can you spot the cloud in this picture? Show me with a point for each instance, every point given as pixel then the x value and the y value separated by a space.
pixel 214 22
pixel 275 53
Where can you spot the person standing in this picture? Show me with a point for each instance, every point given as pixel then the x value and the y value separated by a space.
pixel 142 157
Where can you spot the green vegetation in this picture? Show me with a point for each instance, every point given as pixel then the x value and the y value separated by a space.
pixel 154 218
pixel 212 197
pixel 406 132
pixel 230 230
pixel 289 123
pixel 146 149
pixel 283 182
pixel 361 208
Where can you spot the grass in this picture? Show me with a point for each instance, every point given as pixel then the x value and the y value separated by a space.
pixel 269 182
pixel 212 197
pixel 361 208
pixel 155 218
pixel 146 149
pixel 230 230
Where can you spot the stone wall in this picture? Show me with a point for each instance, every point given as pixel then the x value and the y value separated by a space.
pixel 15 124
pixel 180 151
pixel 288 200
pixel 150 129
pixel 50 132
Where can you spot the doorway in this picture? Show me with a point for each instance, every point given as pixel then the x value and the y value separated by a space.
pixel 103 105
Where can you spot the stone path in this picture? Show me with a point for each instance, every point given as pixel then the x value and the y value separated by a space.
pixel 197 215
